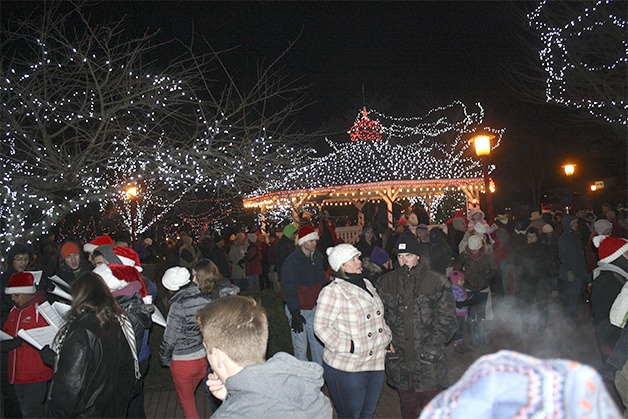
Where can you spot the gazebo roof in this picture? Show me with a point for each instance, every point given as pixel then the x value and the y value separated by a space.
pixel 438 159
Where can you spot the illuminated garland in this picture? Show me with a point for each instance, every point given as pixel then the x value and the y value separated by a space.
pixel 365 129
pixel 429 156
pixel 575 47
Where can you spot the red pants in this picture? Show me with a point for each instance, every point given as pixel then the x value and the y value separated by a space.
pixel 186 376
pixel 412 402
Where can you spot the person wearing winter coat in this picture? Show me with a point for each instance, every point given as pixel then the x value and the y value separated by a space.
pixel 236 258
pixel 535 280
pixel 132 295
pixel 302 278
pixel 573 267
pixel 609 278
pixel 419 308
pixel 350 322
pixel 182 346
pixel 235 333
pixel 253 265
pixel 367 242
pixel 27 375
pixel 478 267
pixel 71 263
pixel 97 364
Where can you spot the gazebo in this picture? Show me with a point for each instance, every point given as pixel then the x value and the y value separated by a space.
pixel 435 159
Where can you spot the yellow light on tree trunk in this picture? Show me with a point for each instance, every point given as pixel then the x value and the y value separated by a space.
pixel 131 192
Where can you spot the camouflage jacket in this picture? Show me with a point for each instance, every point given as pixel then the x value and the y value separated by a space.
pixel 420 310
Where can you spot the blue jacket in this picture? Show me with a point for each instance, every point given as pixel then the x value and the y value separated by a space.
pixel 302 279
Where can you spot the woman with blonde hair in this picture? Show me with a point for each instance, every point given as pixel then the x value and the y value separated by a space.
pixel 182 346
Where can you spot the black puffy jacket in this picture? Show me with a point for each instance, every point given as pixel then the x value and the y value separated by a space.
pixel 95 372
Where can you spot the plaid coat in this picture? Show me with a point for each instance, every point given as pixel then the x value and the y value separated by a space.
pixel 346 313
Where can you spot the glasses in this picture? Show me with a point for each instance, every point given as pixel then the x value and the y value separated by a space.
pixel 22 259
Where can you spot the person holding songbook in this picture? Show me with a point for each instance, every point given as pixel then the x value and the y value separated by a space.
pixel 28 375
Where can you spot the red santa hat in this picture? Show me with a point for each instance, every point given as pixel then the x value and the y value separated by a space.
pixel 610 248
pixel 23 283
pixel 119 276
pixel 98 241
pixel 307 233
pixel 128 257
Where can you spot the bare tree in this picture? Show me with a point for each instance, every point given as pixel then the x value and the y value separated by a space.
pixel 581 57
pixel 88 112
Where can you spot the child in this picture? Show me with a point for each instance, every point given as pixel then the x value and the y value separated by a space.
pixel 460 295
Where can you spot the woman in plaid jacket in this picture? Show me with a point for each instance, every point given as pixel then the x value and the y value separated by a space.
pixel 350 322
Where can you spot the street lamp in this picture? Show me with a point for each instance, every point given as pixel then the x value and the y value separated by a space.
pixel 570 170
pixel 131 194
pixel 482 144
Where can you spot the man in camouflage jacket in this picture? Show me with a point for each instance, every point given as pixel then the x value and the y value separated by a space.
pixel 420 310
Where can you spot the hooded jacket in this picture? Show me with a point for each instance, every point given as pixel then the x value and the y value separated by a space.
pixel 282 387
pixel 571 253
pixel 24 363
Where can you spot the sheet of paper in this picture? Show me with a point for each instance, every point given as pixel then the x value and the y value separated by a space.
pixel 58 280
pixel 62 309
pixel 58 291
pixel 5 336
pixel 39 337
pixel 158 318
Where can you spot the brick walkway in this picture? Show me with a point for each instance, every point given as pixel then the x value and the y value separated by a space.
pixel 562 340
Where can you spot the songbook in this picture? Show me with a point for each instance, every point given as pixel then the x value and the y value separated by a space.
pixel 55 315
pixel 5 336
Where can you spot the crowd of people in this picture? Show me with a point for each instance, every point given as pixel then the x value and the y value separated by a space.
pixel 378 310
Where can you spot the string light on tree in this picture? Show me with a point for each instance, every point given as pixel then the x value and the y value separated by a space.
pixel 585 55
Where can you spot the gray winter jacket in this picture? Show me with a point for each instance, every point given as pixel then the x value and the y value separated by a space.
pixel 282 387
pixel 182 336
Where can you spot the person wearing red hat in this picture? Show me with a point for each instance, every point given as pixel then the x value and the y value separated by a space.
pixel 28 375
pixel 71 264
pixel 302 278
pixel 608 279
pixel 92 245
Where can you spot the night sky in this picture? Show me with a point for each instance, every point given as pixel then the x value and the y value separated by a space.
pixel 409 56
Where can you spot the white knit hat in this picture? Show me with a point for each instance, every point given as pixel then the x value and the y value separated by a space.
pixel 475 242
pixel 175 277
pixel 480 228
pixel 340 254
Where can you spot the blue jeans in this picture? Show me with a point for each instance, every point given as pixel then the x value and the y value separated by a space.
pixel 355 394
pixel 300 340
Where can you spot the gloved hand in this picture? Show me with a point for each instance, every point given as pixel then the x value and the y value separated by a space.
pixel 9 345
pixel 297 321
pixel 48 355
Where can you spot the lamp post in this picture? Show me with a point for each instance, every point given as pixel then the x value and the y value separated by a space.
pixel 570 169
pixel 131 194
pixel 482 144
